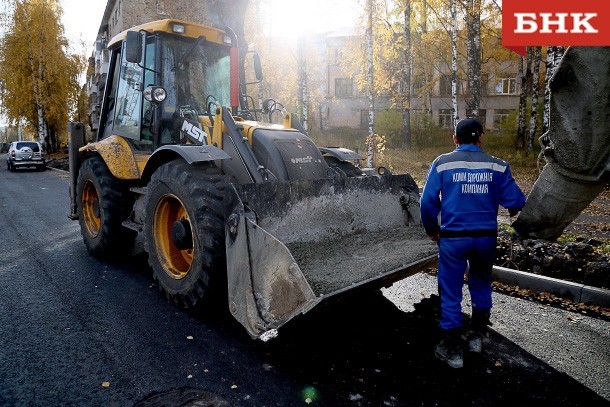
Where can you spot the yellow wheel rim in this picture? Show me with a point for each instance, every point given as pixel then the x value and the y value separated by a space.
pixel 90 202
pixel 175 262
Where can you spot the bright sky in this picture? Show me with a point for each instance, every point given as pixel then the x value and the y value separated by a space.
pixel 289 17
pixel 82 20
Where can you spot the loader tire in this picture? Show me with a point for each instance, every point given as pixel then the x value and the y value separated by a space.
pixel 189 266
pixel 103 202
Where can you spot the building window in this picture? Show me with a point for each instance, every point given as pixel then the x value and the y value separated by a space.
pixel 445 85
pixel 484 84
pixel 500 116
pixel 344 87
pixel 445 118
pixel 506 86
pixel 481 116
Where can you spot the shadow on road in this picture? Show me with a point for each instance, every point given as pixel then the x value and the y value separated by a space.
pixel 365 351
pixel 361 350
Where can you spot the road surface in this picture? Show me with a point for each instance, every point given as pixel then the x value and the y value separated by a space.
pixel 76 331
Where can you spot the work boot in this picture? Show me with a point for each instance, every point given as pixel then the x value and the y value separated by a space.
pixel 478 329
pixel 449 348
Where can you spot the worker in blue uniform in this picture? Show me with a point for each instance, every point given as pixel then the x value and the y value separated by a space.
pixel 466 186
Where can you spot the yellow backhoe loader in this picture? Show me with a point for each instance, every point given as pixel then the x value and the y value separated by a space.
pixel 224 204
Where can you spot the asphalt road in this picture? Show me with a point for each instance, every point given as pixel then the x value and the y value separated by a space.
pixel 75 331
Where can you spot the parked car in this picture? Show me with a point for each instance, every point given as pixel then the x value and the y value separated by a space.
pixel 25 154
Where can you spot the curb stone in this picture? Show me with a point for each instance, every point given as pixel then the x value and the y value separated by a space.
pixel 579 293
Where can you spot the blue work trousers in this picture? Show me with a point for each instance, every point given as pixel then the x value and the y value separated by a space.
pixel 456 255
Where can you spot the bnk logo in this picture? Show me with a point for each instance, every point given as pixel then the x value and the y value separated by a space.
pixel 555 22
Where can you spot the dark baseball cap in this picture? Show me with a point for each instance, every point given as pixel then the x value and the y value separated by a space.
pixel 468 130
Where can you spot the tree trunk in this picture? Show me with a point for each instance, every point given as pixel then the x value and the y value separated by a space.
pixel 302 97
pixel 370 142
pixel 534 109
pixel 406 104
pixel 42 134
pixel 473 52
pixel 546 115
pixel 454 103
pixel 525 91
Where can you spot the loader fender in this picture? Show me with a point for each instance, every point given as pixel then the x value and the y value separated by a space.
pixel 190 154
pixel 341 154
pixel 118 156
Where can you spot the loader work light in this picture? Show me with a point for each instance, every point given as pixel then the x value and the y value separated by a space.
pixel 178 28
pixel 155 94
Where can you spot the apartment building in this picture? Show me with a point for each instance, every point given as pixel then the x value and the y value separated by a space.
pixel 347 106
pixel 342 104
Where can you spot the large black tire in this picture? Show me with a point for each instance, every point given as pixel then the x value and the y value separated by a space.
pixel 103 203
pixel 192 267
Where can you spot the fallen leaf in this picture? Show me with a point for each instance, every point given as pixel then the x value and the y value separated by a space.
pixel 234 386
pixel 189 338
pixel 105 384
pixel 498 363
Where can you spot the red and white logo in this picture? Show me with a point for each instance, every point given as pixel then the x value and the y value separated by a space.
pixel 555 22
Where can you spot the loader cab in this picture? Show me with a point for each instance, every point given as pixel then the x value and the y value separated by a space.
pixel 160 74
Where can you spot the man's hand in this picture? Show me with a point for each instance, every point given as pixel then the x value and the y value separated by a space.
pixel 435 238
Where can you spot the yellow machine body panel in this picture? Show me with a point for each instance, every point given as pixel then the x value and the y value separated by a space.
pixel 171 26
pixel 119 156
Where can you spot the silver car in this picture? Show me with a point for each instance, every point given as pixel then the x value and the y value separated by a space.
pixel 25 154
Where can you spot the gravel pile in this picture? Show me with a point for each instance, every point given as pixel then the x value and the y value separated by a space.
pixel 574 261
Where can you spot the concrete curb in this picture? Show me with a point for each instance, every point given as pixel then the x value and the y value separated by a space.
pixel 566 289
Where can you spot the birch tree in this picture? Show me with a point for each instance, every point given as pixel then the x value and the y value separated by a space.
pixel 38 74
pixel 473 54
pixel 534 107
pixel 302 103
pixel 546 112
pixel 525 73
pixel 454 103
pixel 406 104
pixel 553 56
pixel 370 142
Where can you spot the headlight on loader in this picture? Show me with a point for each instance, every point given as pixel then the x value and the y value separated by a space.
pixel 155 94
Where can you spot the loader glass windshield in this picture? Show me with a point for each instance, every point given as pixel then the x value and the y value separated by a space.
pixel 193 74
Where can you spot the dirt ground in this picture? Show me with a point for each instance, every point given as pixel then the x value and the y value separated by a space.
pixel 581 254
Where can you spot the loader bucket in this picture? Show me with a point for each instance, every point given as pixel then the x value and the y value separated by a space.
pixel 291 245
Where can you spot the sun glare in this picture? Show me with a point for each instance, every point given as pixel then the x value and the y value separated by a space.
pixel 291 18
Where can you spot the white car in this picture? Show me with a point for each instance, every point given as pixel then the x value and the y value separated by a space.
pixel 25 154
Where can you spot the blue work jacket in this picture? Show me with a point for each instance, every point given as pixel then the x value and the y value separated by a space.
pixel 466 186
